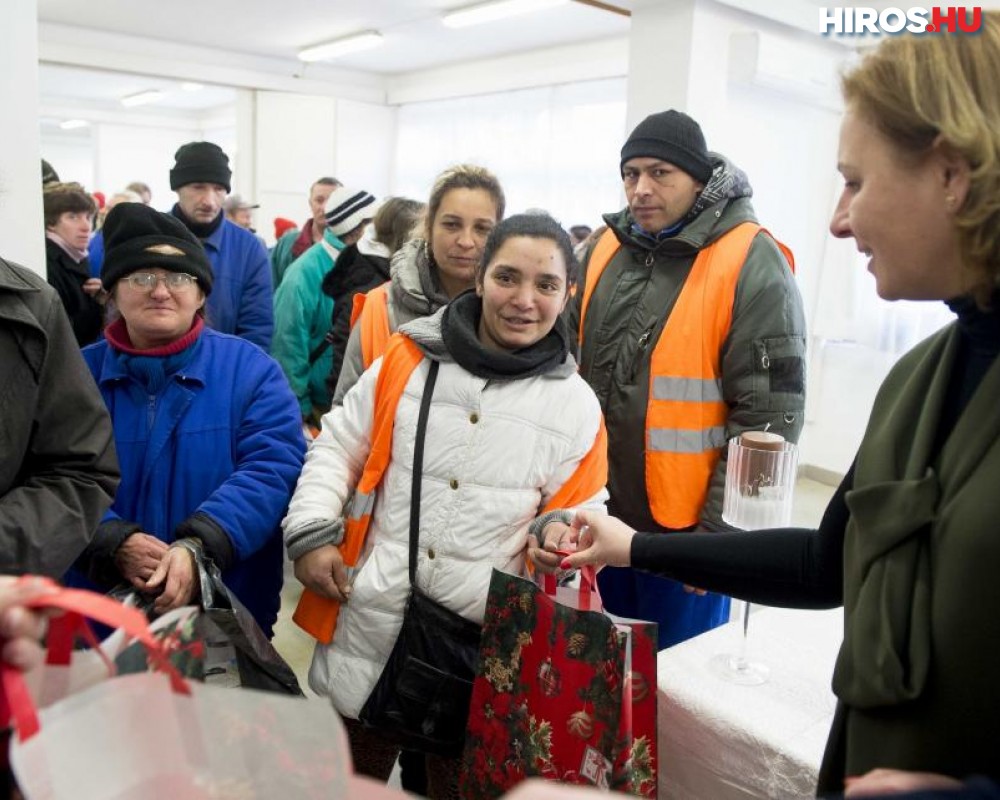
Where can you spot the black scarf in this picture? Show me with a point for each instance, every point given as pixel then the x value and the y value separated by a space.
pixel 200 229
pixel 460 331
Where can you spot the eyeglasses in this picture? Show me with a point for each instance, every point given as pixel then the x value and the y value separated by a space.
pixel 174 281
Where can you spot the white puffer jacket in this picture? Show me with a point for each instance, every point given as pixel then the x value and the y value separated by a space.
pixel 494 452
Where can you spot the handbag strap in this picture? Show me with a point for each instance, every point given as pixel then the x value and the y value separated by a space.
pixel 418 468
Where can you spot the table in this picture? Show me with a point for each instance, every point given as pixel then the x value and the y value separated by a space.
pixel 721 741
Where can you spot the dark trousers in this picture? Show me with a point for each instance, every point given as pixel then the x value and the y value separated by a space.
pixel 375 757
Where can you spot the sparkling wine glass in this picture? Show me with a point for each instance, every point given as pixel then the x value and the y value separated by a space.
pixel 760 480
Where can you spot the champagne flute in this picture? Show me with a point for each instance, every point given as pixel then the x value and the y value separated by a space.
pixel 760 480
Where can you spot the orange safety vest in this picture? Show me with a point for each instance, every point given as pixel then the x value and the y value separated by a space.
pixel 686 413
pixel 372 309
pixel 317 615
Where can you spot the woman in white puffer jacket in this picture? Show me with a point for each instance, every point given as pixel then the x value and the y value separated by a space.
pixel 510 421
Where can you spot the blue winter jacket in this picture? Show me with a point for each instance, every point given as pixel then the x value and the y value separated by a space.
pixel 95 254
pixel 223 438
pixel 241 298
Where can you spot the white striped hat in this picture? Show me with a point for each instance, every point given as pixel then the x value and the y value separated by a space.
pixel 347 208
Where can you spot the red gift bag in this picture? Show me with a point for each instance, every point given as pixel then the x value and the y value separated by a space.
pixel 563 691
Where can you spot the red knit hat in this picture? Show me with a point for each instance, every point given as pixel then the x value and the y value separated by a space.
pixel 282 225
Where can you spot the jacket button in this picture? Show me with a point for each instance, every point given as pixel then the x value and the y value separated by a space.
pixel 474 418
pixel 453 483
pixel 430 553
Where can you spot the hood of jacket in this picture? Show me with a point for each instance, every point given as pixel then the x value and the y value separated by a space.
pixel 414 283
pixel 722 204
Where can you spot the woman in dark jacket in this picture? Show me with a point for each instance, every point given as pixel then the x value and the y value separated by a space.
pixel 909 541
pixel 363 266
pixel 208 433
pixel 69 216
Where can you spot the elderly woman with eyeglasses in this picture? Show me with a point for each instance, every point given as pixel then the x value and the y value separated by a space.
pixel 207 431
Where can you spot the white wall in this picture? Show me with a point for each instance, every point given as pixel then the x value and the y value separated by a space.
pixel 72 157
pixel 554 148
pixel 300 138
pixel 126 153
pixel 21 223
pixel 364 138
pixel 786 141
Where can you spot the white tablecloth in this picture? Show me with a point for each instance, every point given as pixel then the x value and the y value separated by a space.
pixel 722 741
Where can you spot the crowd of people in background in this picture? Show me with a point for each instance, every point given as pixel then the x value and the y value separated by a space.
pixel 175 389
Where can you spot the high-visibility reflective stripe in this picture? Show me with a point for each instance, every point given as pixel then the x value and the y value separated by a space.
pixel 693 390
pixel 362 504
pixel 674 440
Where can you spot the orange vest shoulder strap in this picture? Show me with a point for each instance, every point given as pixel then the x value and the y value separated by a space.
pixel 372 313
pixel 600 257
pixel 590 476
pixel 315 614
pixel 786 251
pixel 398 362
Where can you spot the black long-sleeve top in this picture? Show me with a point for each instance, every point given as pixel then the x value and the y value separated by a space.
pixel 802 567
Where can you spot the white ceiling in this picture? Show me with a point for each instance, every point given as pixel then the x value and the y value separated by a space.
pixel 415 38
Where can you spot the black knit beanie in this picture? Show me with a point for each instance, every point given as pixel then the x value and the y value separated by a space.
pixel 200 162
pixel 139 237
pixel 674 137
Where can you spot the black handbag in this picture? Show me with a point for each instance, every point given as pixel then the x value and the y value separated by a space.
pixel 421 699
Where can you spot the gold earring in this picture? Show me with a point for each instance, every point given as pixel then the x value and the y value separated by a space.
pixel 949 201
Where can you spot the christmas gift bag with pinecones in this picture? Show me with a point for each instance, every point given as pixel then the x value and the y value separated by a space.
pixel 563 691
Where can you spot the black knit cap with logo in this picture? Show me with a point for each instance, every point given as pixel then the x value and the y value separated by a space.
pixel 139 237
pixel 200 162
pixel 674 137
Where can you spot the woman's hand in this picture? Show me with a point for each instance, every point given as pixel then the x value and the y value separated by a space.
pixel 138 558
pixel 557 536
pixel 323 571
pixel 895 781
pixel 176 575
pixel 22 629
pixel 599 539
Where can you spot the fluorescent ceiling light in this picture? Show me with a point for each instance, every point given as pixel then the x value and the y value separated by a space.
pixel 191 86
pixel 71 124
pixel 489 12
pixel 141 98
pixel 341 47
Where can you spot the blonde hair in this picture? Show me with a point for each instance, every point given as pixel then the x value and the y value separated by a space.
pixel 915 89
pixel 463 176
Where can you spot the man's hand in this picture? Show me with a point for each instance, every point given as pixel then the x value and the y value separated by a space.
pixel 138 557
pixel 323 571
pixel 176 575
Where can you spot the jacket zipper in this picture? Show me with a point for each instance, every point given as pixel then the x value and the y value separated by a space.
pixel 640 353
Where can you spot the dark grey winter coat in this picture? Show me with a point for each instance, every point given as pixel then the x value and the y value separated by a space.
pixel 58 470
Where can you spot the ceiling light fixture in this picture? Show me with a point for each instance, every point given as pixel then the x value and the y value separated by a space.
pixel 489 12
pixel 365 40
pixel 141 98
pixel 72 124
pixel 191 86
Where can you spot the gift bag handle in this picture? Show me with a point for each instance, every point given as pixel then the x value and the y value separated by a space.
pixel 589 598
pixel 16 702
